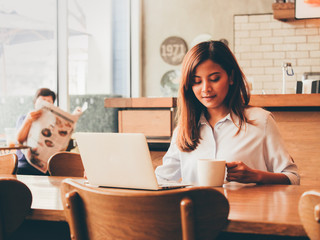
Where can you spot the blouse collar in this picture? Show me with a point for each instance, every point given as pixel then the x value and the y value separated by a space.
pixel 203 119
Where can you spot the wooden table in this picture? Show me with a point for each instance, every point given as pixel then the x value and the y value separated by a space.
pixel 46 197
pixel 266 209
pixel 6 149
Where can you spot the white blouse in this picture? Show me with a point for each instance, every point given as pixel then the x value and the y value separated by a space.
pixel 258 145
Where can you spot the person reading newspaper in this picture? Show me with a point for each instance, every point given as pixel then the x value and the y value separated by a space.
pixel 23 126
pixel 46 130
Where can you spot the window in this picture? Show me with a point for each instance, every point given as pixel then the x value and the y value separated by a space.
pixel 27 55
pixel 97 57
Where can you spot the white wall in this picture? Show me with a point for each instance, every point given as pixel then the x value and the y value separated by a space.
pixel 186 19
pixel 263 44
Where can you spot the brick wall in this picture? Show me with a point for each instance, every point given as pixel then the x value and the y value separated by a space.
pixel 263 44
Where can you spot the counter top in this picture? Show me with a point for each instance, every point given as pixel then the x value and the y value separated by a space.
pixel 267 100
pixel 143 102
pixel 285 100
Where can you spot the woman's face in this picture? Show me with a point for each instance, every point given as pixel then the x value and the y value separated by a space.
pixel 210 85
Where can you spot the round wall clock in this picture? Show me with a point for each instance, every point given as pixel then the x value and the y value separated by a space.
pixel 173 49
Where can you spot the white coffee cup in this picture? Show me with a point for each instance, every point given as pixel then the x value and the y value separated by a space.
pixel 211 172
pixel 10 136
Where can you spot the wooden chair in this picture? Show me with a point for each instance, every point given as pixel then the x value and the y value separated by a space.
pixel 66 164
pixel 309 212
pixel 109 213
pixel 15 203
pixel 8 163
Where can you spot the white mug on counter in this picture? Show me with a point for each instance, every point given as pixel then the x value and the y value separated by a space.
pixel 211 172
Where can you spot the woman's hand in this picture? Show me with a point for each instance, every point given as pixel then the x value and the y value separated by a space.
pixel 240 172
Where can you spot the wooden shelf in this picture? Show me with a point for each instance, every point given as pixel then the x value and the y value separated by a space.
pixel 143 102
pixel 283 11
pixel 259 100
pixel 285 100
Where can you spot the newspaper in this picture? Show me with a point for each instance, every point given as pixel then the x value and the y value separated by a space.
pixel 50 133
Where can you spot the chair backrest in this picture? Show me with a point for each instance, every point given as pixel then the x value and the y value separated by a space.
pixel 15 203
pixel 66 164
pixel 8 163
pixel 107 213
pixel 309 212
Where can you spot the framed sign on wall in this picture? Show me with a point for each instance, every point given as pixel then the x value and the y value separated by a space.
pixel 173 49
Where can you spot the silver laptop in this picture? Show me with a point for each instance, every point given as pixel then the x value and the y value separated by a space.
pixel 119 160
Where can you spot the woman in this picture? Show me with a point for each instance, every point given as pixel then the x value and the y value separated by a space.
pixel 215 121
pixel 24 124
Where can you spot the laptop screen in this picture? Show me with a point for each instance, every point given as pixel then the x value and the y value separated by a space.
pixel 117 160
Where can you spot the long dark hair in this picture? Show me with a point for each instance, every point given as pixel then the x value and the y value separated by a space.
pixel 190 109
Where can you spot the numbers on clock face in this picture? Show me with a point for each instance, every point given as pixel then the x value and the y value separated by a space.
pixel 173 49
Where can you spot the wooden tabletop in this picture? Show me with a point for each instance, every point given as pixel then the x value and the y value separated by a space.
pixel 14 147
pixel 266 209
pixel 46 197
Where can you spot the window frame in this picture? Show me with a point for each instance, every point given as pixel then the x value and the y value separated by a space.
pixel 135 83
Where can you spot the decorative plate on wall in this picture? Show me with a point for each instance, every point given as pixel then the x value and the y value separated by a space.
pixel 201 38
pixel 170 83
pixel 173 49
